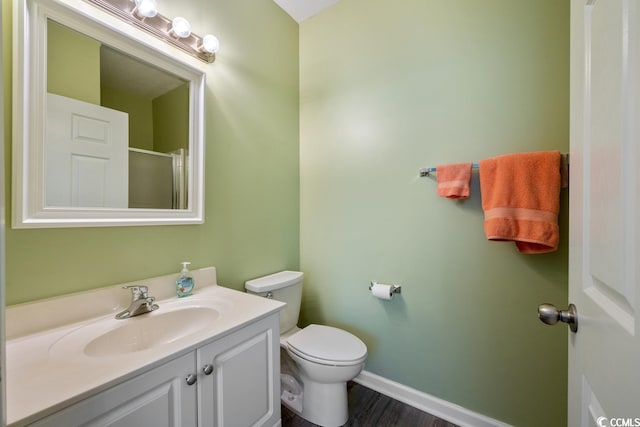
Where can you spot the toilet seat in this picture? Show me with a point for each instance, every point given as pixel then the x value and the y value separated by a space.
pixel 327 345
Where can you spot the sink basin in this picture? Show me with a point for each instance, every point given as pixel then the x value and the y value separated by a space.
pixel 111 337
pixel 143 332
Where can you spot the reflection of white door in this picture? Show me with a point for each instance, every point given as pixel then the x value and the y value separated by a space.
pixel 86 155
pixel 604 355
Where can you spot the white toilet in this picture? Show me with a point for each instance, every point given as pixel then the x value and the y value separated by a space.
pixel 325 358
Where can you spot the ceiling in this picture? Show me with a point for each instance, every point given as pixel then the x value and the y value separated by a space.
pixel 303 9
pixel 128 74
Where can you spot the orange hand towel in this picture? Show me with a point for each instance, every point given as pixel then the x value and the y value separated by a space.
pixel 521 199
pixel 453 180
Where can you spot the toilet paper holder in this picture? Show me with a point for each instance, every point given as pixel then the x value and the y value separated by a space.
pixel 395 289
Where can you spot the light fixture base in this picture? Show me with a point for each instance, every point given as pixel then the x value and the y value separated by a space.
pixel 158 26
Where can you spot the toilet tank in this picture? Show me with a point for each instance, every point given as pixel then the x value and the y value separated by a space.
pixel 285 286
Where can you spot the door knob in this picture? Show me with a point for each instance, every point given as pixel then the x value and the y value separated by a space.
pixel 549 314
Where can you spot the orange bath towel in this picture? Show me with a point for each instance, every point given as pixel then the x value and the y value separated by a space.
pixel 521 199
pixel 453 180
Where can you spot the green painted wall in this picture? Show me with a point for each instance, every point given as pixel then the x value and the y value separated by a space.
pixel 416 83
pixel 388 88
pixel 251 167
pixel 73 64
pixel 160 124
pixel 140 111
pixel 171 120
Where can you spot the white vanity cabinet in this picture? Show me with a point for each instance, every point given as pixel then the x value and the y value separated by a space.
pixel 159 397
pixel 242 387
pixel 233 381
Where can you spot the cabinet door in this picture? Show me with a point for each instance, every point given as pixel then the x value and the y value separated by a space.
pixel 158 398
pixel 244 387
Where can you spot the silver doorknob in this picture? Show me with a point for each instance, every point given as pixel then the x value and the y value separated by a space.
pixel 549 314
pixel 207 369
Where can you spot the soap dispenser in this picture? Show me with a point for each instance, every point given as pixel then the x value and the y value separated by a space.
pixel 185 283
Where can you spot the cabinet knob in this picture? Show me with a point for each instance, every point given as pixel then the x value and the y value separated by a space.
pixel 207 369
pixel 191 379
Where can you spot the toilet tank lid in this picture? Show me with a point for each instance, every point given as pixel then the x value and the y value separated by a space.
pixel 273 281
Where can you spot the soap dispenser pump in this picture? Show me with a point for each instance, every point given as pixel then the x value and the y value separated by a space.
pixel 185 283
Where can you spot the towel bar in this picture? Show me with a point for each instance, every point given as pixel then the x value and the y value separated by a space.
pixel 564 169
pixel 428 171
pixel 564 160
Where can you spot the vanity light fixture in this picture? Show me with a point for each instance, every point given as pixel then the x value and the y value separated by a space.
pixel 180 27
pixel 143 14
pixel 210 44
pixel 146 8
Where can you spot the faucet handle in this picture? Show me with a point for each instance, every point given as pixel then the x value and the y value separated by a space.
pixel 138 291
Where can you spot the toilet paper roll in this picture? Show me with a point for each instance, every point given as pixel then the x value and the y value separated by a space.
pixel 382 291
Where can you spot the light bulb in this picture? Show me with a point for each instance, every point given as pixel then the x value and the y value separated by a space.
pixel 181 27
pixel 147 8
pixel 210 44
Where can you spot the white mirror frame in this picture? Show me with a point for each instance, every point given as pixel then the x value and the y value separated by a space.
pixel 29 91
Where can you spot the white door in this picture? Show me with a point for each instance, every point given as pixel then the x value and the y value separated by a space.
pixel 604 272
pixel 86 155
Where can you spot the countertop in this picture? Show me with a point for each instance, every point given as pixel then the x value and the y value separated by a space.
pixel 41 382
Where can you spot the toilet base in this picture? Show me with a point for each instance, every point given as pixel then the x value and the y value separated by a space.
pixel 291 393
pixel 325 404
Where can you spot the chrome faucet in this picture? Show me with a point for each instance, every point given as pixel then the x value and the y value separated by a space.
pixel 141 302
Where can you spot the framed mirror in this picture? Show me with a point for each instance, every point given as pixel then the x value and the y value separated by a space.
pixel 108 122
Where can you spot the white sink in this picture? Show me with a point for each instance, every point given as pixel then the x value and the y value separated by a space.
pixel 64 349
pixel 143 332
pixel 108 337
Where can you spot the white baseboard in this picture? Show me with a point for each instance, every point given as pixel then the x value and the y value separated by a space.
pixel 425 402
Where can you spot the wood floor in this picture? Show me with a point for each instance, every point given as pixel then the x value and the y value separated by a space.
pixel 368 408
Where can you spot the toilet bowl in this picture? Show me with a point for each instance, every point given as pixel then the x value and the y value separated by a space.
pixel 324 358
